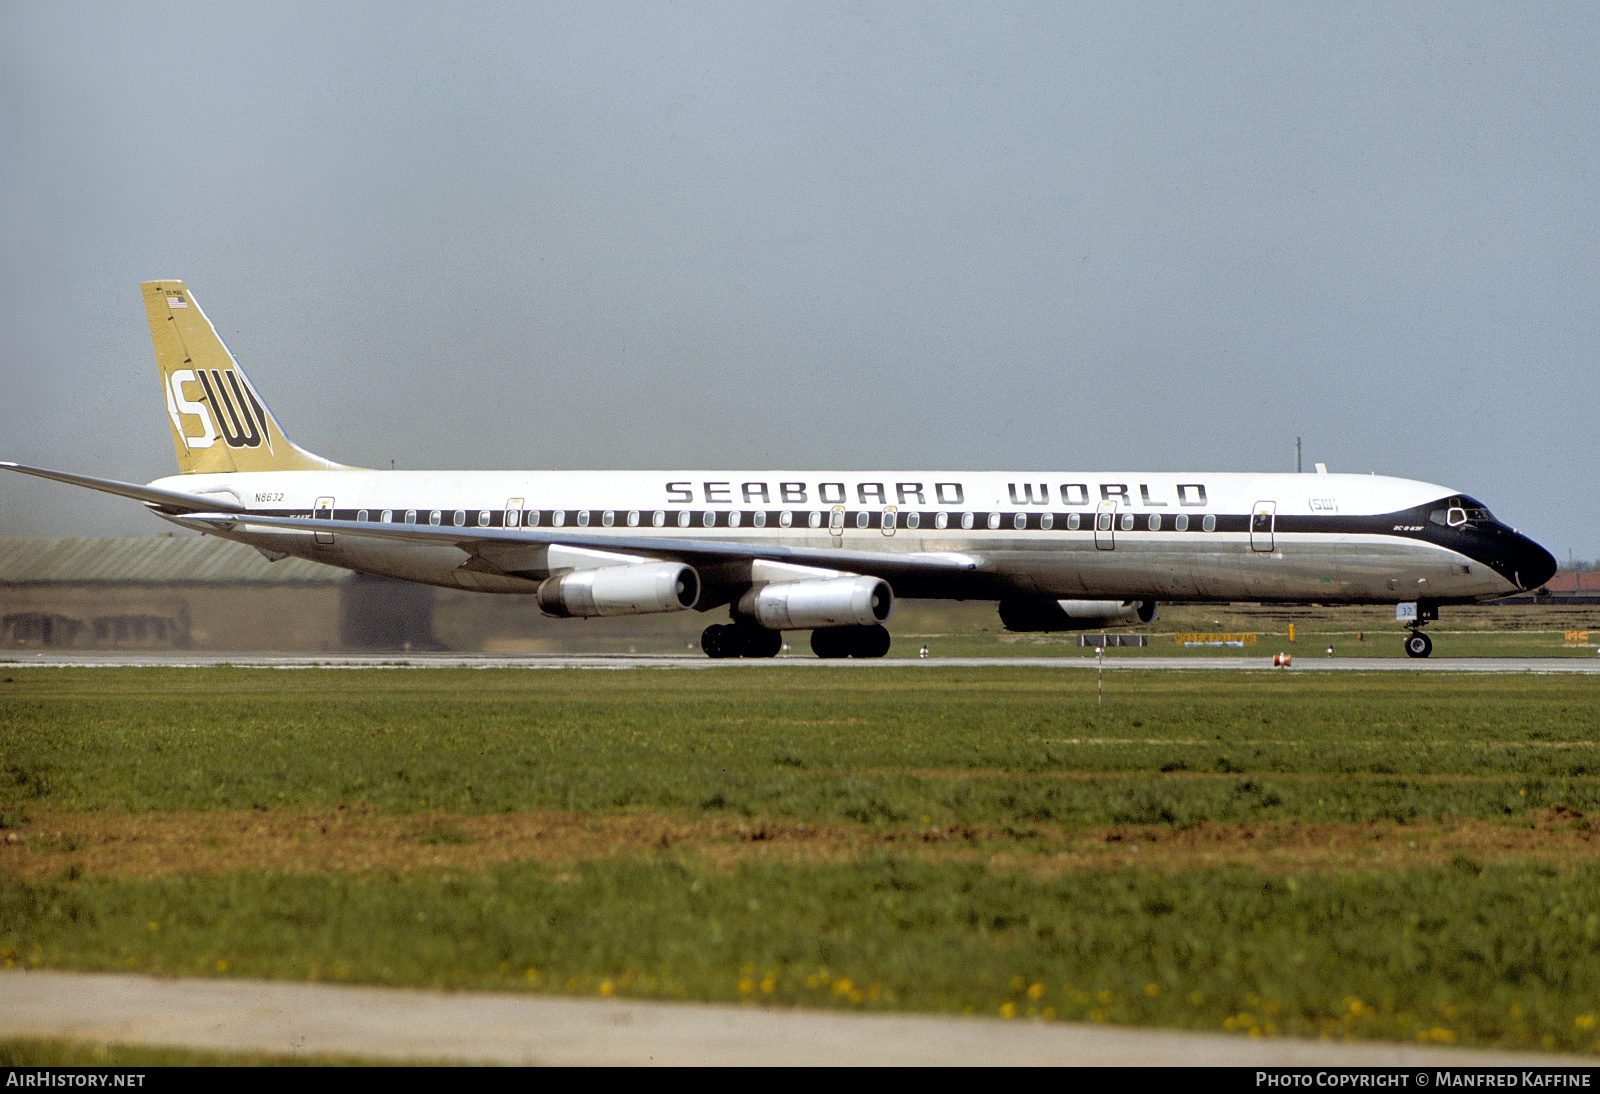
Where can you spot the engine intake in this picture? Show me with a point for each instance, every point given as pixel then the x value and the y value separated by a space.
pixel 831 602
pixel 621 590
pixel 1074 615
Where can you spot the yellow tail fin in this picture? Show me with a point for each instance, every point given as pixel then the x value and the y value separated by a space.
pixel 219 422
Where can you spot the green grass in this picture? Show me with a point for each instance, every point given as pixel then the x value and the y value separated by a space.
pixel 25 1052
pixel 1500 955
pixel 1506 954
pixel 873 746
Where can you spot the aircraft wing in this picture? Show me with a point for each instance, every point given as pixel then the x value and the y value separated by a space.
pixel 168 501
pixel 492 545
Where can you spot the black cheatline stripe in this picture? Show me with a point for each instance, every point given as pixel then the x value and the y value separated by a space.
pixel 1475 545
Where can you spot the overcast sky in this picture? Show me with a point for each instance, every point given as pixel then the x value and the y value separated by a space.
pixel 801 236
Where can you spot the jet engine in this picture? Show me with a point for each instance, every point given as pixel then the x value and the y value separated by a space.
pixel 830 602
pixel 1074 615
pixel 621 590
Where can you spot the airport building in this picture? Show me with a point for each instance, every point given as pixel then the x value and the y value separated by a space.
pixel 197 592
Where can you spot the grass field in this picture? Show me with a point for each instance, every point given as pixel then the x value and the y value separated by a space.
pixel 1385 855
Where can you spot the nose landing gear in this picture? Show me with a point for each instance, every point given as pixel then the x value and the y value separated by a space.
pixel 1415 617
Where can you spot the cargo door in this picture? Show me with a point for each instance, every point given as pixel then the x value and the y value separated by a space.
pixel 1105 525
pixel 1263 520
pixel 323 510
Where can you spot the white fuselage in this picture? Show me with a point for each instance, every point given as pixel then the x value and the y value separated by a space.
pixel 1193 536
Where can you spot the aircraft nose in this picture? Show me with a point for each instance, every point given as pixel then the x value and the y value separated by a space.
pixel 1531 563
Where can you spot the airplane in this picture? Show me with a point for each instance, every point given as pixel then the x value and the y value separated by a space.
pixel 820 551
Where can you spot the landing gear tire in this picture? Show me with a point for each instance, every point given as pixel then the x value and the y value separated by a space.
pixel 835 642
pixel 760 642
pixel 1418 644
pixel 727 640
pixel 717 641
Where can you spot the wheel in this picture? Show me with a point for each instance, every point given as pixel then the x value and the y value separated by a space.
pixel 759 642
pixel 719 640
pixel 872 642
pixel 850 641
pixel 1418 644
pixel 829 642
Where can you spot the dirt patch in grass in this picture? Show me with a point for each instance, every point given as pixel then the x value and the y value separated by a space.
pixel 104 842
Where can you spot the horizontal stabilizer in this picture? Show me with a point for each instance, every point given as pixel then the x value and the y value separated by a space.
pixel 170 501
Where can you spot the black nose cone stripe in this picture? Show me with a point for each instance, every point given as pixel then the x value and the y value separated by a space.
pixel 1534 565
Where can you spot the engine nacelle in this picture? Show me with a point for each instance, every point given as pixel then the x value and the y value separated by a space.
pixel 829 602
pixel 621 590
pixel 1074 615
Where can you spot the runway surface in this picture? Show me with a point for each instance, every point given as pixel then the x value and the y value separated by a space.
pixel 300 1019
pixel 1311 663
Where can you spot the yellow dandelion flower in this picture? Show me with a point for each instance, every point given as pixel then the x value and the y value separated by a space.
pixel 768 986
pixel 1152 989
pixel 746 986
pixel 1584 1021
pixel 607 987
pixel 1008 1010
pixel 222 966
pixel 1035 991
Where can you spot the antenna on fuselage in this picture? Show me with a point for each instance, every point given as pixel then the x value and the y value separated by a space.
pixel 1297 455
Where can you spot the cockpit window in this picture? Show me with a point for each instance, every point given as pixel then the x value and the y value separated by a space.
pixel 1460 510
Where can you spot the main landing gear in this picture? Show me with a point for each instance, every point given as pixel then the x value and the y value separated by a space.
pixel 850 641
pixel 732 640
pixel 1418 644
pixel 746 640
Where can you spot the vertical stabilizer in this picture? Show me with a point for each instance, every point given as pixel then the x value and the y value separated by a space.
pixel 219 422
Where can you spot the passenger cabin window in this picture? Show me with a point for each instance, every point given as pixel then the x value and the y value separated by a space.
pixel 533 518
pixel 785 519
pixel 658 519
pixel 1072 522
pixel 941 520
pixel 863 519
pixel 388 516
pixel 1209 523
pixel 1020 521
pixel 759 519
pixel 994 520
pixel 460 517
pixel 1127 522
pixel 966 520
pixel 1047 521
pixel 913 520
pixel 633 518
pixel 609 518
pixel 433 517
pixel 361 515
pixel 558 518
pixel 1155 522
pixel 709 519
pixel 815 519
pixel 733 519
pixel 1181 522
pixel 583 518
pixel 683 519
pixel 483 518
pixel 411 516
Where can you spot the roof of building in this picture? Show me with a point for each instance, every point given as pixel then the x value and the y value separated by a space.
pixel 1574 582
pixel 140 559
